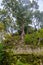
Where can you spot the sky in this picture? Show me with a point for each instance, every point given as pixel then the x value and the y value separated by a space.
pixel 0 3
pixel 40 4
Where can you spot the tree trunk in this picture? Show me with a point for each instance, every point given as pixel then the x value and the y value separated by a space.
pixel 23 33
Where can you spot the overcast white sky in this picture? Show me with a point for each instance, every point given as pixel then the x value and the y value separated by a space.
pixel 40 4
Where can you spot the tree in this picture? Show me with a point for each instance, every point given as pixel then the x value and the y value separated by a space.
pixel 6 20
pixel 36 19
pixel 23 12
pixel 20 11
pixel 1 31
pixel 41 19
pixel 36 14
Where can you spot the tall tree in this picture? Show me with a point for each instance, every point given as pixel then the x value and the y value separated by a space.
pixel 20 11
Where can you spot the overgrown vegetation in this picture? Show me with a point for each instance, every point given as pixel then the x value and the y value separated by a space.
pixel 20 42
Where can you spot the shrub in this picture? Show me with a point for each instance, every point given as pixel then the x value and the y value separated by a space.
pixel 11 38
pixel 40 33
pixel 35 37
pixel 17 37
pixel 1 52
pixel 32 38
pixel 28 39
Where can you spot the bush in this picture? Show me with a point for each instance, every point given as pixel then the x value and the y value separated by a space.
pixel 17 37
pixel 28 39
pixel 40 33
pixel 1 52
pixel 32 38
pixel 35 37
pixel 11 38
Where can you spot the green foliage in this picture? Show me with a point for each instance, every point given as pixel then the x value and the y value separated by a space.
pixel 21 63
pixel 31 59
pixel 38 37
pixel 8 58
pixel 1 52
pixel 28 39
pixel 34 37
pixel 1 26
pixel 23 15
pixel 11 39
pixel 17 37
pixel 1 46
pixel 40 31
